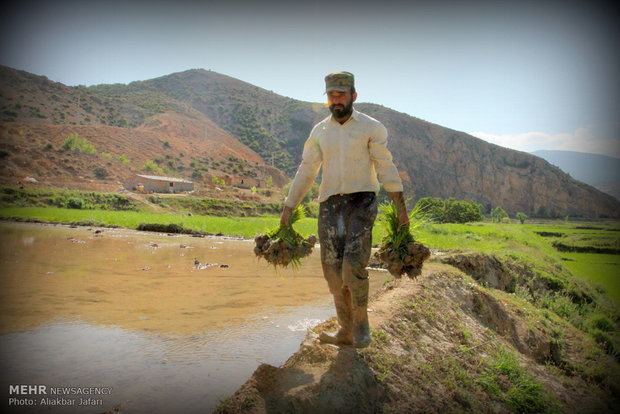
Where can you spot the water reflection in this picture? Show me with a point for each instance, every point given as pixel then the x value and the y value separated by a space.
pixel 134 312
pixel 148 373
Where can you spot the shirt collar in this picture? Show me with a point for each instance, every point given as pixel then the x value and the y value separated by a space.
pixel 355 114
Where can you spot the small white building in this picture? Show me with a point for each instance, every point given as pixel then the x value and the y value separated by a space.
pixel 158 184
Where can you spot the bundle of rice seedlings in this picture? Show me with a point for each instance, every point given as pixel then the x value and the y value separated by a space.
pixel 283 245
pixel 399 251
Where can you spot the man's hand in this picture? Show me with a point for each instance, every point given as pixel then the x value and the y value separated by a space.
pixel 399 202
pixel 286 216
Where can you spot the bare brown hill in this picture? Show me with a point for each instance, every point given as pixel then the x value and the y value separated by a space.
pixel 172 143
pixel 39 115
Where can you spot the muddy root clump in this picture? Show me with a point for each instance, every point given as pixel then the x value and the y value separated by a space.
pixel 400 252
pixel 409 263
pixel 282 251
pixel 283 245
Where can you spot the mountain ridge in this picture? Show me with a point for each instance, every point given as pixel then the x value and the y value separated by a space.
pixel 598 170
pixel 433 161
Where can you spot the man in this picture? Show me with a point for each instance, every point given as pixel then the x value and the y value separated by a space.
pixel 351 147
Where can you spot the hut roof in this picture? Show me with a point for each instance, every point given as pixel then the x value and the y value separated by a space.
pixel 162 178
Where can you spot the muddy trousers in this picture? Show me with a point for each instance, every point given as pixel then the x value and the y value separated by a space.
pixel 345 233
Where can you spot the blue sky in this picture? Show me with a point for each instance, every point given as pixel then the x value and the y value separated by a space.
pixel 524 75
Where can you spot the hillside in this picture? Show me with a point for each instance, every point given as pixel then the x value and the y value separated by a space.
pixel 174 139
pixel 600 171
pixel 198 123
pixel 440 162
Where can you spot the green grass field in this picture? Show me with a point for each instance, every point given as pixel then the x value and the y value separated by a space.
pixel 231 226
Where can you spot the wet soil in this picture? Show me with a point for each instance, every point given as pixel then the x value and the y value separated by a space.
pixel 432 340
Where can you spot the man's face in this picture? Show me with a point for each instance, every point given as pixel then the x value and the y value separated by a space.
pixel 340 103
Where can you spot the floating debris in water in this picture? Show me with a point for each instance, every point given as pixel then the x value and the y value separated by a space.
pixel 201 266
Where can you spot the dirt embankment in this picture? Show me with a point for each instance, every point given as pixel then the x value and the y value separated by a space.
pixel 443 343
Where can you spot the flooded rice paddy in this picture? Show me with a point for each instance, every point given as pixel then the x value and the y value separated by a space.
pixel 144 322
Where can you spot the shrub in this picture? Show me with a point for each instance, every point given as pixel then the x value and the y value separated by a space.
pixel 75 203
pixel 75 143
pixel 217 182
pixel 449 210
pixel 151 167
pixel 100 173
pixel 268 193
pixel 601 322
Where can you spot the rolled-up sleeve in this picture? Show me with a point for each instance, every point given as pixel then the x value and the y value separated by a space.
pixel 382 159
pixel 306 173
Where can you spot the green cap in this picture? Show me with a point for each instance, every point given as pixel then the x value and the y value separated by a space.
pixel 339 81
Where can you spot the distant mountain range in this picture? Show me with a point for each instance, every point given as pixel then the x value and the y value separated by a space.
pixel 198 124
pixel 600 171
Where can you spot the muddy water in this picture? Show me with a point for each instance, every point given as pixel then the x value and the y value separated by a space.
pixel 153 322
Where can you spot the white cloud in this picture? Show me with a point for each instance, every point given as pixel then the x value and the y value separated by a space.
pixel 593 139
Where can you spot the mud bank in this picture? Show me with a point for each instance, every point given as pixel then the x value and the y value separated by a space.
pixel 444 343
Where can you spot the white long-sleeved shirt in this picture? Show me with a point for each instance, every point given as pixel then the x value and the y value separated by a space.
pixel 351 154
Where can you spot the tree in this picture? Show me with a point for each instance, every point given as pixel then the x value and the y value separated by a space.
pixel 498 214
pixel 542 211
pixel 521 217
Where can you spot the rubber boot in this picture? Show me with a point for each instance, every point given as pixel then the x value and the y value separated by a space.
pixel 344 336
pixel 359 308
pixel 361 329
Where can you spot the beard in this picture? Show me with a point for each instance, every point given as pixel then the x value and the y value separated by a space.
pixel 340 111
